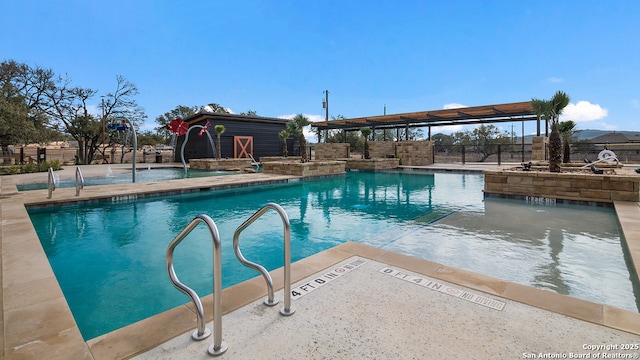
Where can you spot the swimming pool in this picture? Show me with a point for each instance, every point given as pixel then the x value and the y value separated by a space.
pixel 142 175
pixel 109 258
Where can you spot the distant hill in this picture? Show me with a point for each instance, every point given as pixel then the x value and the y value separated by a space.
pixel 589 134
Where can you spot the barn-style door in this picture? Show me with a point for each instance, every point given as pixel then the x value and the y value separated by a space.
pixel 242 146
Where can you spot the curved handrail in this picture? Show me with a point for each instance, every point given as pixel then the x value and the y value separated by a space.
pixel 286 309
pixel 186 138
pixel 51 183
pixel 202 332
pixel 79 181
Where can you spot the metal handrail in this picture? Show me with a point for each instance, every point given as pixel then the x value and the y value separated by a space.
pixel 202 332
pixel 51 183
pixel 286 309
pixel 79 181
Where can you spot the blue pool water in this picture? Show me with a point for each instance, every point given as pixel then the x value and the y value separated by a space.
pixel 142 175
pixel 110 258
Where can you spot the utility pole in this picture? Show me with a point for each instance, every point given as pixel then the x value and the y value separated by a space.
pixel 104 155
pixel 325 105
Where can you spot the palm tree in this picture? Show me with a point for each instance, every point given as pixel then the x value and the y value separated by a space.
pixel 557 103
pixel 284 135
pixel 219 130
pixel 566 131
pixel 295 127
pixel 366 132
pixel 541 110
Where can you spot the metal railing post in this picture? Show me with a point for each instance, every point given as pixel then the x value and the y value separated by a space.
pixel 51 183
pixel 219 346
pixel 79 181
pixel 287 309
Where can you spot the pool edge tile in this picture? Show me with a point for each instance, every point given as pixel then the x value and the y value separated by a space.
pixel 554 302
pixel 143 335
pixel 621 319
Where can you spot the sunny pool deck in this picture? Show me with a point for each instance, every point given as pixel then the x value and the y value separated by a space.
pixel 36 320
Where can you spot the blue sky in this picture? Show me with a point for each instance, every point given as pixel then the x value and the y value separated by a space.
pixel 278 57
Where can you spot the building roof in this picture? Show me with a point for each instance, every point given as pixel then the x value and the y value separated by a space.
pixel 612 138
pixel 520 111
pixel 203 115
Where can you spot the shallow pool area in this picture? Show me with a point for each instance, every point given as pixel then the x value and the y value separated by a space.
pixel 110 177
pixel 440 217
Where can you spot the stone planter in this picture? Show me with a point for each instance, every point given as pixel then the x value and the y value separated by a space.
pixel 578 187
pixel 308 169
pixel 222 164
pixel 373 164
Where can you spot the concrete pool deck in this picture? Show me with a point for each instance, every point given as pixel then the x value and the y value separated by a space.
pixel 402 319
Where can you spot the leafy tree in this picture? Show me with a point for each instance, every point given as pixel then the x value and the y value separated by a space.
pixel 250 113
pixel 284 135
pixel 566 129
pixel 541 108
pixel 483 139
pixel 353 138
pixel 399 134
pixel 68 108
pixel 21 102
pixel 180 111
pixel 442 142
pixel 148 138
pixel 557 104
pixel 295 127
pixel 365 133
pixel 219 129
pixel 215 108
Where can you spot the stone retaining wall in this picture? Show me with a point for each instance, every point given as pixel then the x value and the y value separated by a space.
pixel 538 148
pixel 373 164
pixel 308 169
pixel 568 186
pixel 279 158
pixel 222 164
pixel 382 149
pixel 415 153
pixel 331 151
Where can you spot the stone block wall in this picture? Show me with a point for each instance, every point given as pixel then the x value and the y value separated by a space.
pixel 222 164
pixel 538 148
pixel 308 169
pixel 280 158
pixel 415 153
pixel 380 149
pixel 568 186
pixel 331 151
pixel 373 164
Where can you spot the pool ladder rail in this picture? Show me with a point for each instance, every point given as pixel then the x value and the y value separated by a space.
pixel 286 310
pixel 202 332
pixel 79 181
pixel 51 182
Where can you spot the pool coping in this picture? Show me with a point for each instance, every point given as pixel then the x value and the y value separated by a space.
pixel 36 318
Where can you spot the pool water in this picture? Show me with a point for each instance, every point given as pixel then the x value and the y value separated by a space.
pixel 142 175
pixel 110 258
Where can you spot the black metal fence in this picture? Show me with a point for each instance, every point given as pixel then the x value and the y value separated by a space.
pixel 508 153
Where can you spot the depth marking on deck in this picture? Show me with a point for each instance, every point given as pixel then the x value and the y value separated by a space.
pixel 323 279
pixel 446 289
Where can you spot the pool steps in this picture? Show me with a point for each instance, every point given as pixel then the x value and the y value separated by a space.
pixel 202 332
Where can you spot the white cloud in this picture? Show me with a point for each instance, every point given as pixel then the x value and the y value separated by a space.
pixel 555 80
pixel 583 111
pixel 453 106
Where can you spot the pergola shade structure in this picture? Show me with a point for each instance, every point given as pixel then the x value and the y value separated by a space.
pixel 520 111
